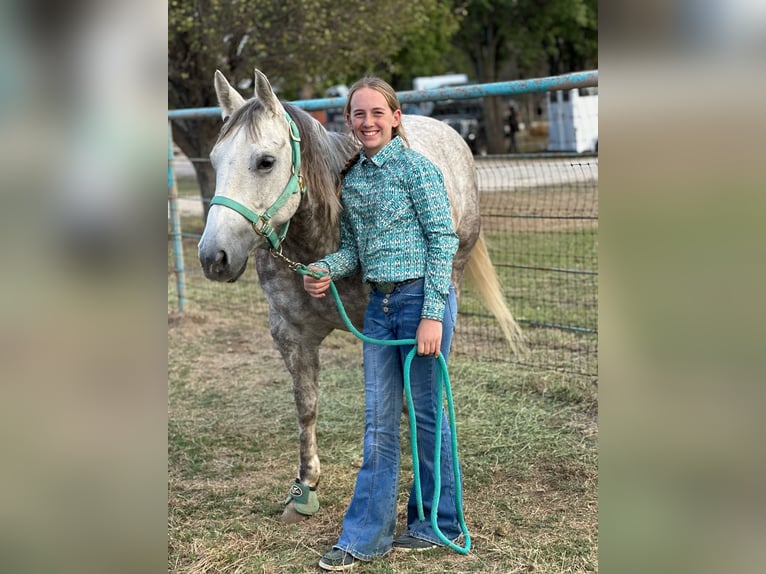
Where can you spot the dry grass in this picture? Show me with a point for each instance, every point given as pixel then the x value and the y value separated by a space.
pixel 528 439
pixel 528 446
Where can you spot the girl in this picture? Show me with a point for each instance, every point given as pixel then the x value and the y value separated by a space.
pixel 396 224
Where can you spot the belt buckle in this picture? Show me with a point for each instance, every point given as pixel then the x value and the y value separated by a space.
pixel 386 288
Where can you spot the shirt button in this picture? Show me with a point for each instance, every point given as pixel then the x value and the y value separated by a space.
pixel 385 309
pixel 385 300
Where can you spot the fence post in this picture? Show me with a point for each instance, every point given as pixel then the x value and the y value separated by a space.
pixel 175 226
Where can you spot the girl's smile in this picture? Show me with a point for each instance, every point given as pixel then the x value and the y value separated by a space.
pixel 372 120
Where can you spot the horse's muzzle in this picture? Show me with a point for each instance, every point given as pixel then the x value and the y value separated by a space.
pixel 217 267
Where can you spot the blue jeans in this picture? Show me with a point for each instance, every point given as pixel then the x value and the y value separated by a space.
pixel 370 521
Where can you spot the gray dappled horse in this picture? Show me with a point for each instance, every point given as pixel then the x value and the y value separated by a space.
pixel 277 175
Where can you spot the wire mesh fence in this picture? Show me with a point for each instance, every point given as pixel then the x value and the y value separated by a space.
pixel 539 217
pixel 540 222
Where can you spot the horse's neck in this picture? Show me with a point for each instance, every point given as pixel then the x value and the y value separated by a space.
pixel 311 235
pixel 312 232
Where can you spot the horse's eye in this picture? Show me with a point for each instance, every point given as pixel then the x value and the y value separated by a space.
pixel 265 163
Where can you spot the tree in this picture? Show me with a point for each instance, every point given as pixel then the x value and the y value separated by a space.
pixel 556 36
pixel 428 49
pixel 303 46
pixel 564 32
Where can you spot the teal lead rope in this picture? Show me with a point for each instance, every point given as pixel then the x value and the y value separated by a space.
pixel 444 382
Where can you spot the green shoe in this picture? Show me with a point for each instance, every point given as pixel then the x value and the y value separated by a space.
pixel 337 560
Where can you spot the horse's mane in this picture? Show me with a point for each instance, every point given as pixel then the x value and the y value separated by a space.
pixel 323 154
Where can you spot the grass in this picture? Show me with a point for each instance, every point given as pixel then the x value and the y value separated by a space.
pixel 527 437
pixel 528 446
pixel 546 296
pixel 535 297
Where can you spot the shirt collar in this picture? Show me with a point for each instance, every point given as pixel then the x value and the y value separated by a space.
pixel 389 150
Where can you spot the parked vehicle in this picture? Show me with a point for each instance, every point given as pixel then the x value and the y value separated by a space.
pixel 465 117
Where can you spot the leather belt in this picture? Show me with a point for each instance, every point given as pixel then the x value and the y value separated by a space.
pixel 388 288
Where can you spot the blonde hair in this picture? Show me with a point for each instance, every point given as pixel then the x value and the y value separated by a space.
pixel 384 88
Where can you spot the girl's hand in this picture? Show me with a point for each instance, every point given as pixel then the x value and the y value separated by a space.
pixel 429 337
pixel 317 287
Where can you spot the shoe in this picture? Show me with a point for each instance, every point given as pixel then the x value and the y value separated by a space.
pixel 337 560
pixel 411 544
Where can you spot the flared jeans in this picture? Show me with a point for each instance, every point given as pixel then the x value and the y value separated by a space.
pixel 370 521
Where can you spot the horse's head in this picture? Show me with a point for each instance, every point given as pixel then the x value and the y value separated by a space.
pixel 257 182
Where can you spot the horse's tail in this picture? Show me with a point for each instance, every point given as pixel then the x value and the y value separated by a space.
pixel 483 278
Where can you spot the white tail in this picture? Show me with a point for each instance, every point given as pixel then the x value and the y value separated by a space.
pixel 481 274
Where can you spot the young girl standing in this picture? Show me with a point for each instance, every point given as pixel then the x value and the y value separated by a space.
pixel 397 226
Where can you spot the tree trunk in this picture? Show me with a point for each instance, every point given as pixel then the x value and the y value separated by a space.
pixel 485 63
pixel 494 122
pixel 206 180
pixel 196 138
pixel 493 113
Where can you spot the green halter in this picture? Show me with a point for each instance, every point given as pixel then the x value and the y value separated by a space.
pixel 261 223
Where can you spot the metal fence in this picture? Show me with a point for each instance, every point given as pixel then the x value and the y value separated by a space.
pixel 540 221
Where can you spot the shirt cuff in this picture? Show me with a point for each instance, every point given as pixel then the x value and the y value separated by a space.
pixel 433 309
pixel 322 264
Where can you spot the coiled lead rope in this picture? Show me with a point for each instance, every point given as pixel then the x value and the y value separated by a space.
pixel 444 383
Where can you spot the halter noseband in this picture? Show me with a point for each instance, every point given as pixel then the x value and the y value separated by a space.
pixel 294 185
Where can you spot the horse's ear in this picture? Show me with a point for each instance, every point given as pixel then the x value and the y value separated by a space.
pixel 265 94
pixel 229 98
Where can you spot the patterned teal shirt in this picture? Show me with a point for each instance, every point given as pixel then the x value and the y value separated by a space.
pixel 397 224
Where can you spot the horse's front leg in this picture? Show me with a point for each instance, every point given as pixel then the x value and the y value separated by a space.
pixel 302 360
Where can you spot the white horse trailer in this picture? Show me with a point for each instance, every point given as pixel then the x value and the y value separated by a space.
pixel 573 120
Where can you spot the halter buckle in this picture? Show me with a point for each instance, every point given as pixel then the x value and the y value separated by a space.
pixel 265 229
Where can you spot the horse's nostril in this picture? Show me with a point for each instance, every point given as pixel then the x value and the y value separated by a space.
pixel 213 262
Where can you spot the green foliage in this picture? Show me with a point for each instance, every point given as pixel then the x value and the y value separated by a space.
pixel 428 49
pixel 567 32
pixel 303 46
pixel 537 36
pixel 525 38
pixel 299 44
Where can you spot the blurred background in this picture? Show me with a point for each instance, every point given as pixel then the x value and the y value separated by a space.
pixel 83 134
pixel 681 259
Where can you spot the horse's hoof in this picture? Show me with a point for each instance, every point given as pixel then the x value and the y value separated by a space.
pixel 301 501
pixel 292 516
